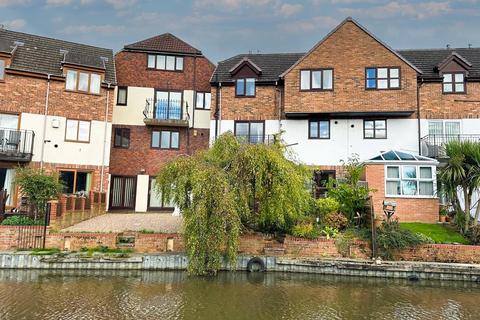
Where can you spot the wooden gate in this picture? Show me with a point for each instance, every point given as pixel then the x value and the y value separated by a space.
pixel 122 192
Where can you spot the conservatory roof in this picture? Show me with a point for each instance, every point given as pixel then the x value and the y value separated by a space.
pixel 395 155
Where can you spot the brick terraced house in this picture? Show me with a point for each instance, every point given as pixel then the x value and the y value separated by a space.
pixel 56 101
pixel 162 110
pixel 353 94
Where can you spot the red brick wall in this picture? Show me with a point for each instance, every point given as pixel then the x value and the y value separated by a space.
pixel 132 71
pixel 27 94
pixel 408 209
pixel 436 105
pixel 141 156
pixel 442 253
pixel 349 51
pixel 263 106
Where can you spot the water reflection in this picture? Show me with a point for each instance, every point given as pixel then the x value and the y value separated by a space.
pixel 174 295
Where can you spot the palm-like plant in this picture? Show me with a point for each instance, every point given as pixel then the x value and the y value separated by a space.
pixel 462 172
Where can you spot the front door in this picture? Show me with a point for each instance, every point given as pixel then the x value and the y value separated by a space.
pixel 122 193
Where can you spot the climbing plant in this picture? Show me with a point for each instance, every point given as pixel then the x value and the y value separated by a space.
pixel 230 187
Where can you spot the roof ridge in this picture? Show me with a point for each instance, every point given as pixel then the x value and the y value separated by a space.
pixel 437 49
pixel 55 39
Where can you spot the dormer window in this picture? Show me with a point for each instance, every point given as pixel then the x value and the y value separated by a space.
pixel 454 82
pixel 2 69
pixel 83 81
pixel 245 87
pixel 162 62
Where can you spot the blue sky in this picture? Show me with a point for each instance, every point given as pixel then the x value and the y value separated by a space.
pixel 222 28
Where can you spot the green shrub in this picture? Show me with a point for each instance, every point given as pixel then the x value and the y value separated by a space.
pixel 329 232
pixel 19 221
pixel 306 230
pixel 473 234
pixel 335 220
pixel 326 206
pixel 391 239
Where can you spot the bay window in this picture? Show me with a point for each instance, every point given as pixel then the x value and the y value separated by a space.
pixel 321 79
pixel 382 78
pixel 453 83
pixel 409 180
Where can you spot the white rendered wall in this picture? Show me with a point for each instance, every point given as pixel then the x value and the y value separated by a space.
pixel 402 134
pixel 141 200
pixel 57 150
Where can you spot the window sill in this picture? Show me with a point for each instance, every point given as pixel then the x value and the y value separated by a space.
pixel 410 197
pixel 385 89
pixel 82 92
pixel 237 96
pixel 165 70
pixel 316 90
pixel 76 141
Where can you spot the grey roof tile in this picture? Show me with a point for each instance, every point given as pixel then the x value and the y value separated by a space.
pixel 427 59
pixel 166 42
pixel 271 64
pixel 42 55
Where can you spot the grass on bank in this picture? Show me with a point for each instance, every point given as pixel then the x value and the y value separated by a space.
pixel 437 232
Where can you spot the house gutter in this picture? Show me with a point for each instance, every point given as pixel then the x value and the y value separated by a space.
pixel 45 115
pixel 104 153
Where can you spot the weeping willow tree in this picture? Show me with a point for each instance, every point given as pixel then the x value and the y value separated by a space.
pixel 230 188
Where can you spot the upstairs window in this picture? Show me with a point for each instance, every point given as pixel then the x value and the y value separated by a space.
pixel 382 78
pixel 375 129
pixel 412 181
pixel 245 87
pixel 165 139
pixel 2 69
pixel 319 129
pixel 122 138
pixel 162 62
pixel 77 131
pixel 453 83
pixel 122 96
pixel 316 79
pixel 203 100
pixel 82 81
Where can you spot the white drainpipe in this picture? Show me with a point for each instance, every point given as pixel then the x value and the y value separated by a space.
pixel 220 109
pixel 105 137
pixel 45 122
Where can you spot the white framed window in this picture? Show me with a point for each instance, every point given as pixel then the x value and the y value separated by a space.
pixel 444 127
pixel 164 139
pixel 203 100
pixel 2 69
pixel 321 79
pixel 382 78
pixel 83 81
pixel 409 181
pixel 77 131
pixel 454 82
pixel 163 62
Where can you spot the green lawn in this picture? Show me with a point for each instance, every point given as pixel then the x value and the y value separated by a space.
pixel 438 232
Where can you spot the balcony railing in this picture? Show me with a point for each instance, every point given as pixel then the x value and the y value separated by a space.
pixel 257 139
pixel 165 112
pixel 433 145
pixel 16 145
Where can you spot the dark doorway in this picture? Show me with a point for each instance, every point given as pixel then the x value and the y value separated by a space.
pixel 122 192
pixel 320 181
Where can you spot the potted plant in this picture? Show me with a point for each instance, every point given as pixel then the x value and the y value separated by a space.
pixel 443 214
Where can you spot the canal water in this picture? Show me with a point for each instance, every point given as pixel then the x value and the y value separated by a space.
pixel 174 295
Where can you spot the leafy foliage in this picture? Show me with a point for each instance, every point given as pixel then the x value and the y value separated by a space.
pixel 462 172
pixel 329 232
pixel 38 186
pixel 229 187
pixel 473 235
pixel 349 193
pixel 306 230
pixel 391 238
pixel 325 206
pixel 18 221
pixel 335 220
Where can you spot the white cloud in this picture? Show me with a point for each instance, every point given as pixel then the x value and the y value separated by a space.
pixel 288 9
pixel 14 24
pixel 100 29
pixel 404 9
pixel 121 4
pixel 6 3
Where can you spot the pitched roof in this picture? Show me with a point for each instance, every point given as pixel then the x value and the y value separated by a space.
pixel 271 64
pixel 350 19
pixel 43 55
pixel 428 59
pixel 166 42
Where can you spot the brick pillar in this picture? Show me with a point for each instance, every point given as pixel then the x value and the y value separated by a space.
pixel 82 203
pixel 73 199
pixel 53 211
pixel 63 204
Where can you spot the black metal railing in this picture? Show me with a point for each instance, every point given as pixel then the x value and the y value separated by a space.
pixel 433 145
pixel 257 139
pixel 16 145
pixel 165 110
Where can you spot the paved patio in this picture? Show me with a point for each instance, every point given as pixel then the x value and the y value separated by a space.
pixel 119 222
